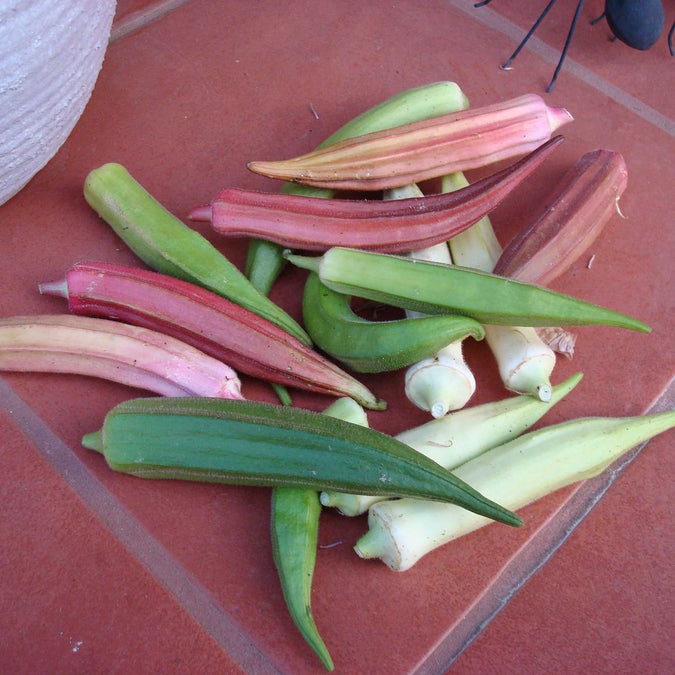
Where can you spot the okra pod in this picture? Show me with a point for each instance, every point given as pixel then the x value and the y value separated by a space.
pixel 422 150
pixel 516 473
pixel 375 346
pixel 115 351
pixel 265 259
pixel 394 226
pixel 248 342
pixel 263 444
pixel 295 528
pixel 434 288
pixel 167 245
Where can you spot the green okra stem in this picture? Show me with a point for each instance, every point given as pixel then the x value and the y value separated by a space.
pixel 204 439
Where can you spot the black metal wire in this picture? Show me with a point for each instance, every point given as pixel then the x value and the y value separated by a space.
pixel 567 44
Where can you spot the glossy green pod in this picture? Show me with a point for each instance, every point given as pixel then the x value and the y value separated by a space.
pixel 435 288
pixel 376 346
pixel 211 440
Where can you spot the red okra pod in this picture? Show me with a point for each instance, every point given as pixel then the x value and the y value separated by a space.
pixel 213 324
pixel 396 226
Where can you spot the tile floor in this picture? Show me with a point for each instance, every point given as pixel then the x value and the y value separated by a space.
pixel 102 573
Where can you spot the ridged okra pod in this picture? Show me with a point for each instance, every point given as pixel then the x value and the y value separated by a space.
pixel 375 346
pixel 295 530
pixel 265 259
pixel 211 323
pixel 516 473
pixel 270 445
pixel 167 245
pixel 434 288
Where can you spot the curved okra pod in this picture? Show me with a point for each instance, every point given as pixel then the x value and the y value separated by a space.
pixel 262 444
pixel 167 245
pixel 415 152
pixel 137 357
pixel 265 259
pixel 375 346
pixel 209 322
pixel 295 527
pixel 434 288
pixel 516 473
pixel 463 435
pixel 390 226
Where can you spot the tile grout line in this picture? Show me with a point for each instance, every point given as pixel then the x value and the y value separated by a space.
pixel 533 555
pixel 493 20
pixel 188 592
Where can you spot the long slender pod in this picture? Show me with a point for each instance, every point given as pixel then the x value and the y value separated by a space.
pixel 295 529
pixel 263 444
pixel 211 323
pixel 434 288
pixel 516 473
pixel 137 357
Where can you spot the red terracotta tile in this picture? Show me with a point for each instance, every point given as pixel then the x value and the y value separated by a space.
pixel 73 598
pixel 184 104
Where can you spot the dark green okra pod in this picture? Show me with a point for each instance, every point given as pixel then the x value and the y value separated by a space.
pixel 376 346
pixel 212 440
pixel 295 527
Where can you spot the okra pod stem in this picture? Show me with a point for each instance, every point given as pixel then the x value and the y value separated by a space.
pixel 434 288
pixel 263 444
pixel 167 245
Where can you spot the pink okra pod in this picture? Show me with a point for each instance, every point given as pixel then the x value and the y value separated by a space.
pixel 209 322
pixel 569 221
pixel 131 355
pixel 393 226
pixel 426 149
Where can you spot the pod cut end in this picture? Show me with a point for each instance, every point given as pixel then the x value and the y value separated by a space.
pixel 93 441
pixel 56 288
pixel 557 117
pixel 202 213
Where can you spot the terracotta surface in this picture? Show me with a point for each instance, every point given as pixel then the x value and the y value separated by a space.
pixel 106 573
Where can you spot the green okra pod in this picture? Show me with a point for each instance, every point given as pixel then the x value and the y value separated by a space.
pixel 435 288
pixel 265 259
pixel 295 528
pixel 376 346
pixel 169 246
pixel 210 440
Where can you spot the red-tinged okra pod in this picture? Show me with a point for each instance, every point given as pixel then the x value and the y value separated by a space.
pixel 569 221
pixel 131 355
pixel 427 149
pixel 394 226
pixel 209 322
